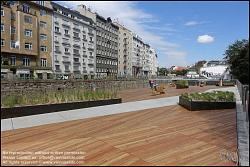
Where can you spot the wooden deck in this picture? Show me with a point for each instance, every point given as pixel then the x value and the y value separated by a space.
pixel 146 93
pixel 163 136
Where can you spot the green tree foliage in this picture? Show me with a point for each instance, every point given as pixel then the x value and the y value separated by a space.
pixel 237 56
pixel 163 71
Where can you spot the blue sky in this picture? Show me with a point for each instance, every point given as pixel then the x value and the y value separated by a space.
pixel 173 28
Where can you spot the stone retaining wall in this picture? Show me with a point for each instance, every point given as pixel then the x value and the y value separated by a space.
pixel 22 86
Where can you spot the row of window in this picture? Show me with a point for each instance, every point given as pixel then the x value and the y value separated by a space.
pixel 75 34
pixel 14 44
pixel 106 27
pixel 68 15
pixel 101 70
pixel 27 32
pixel 25 61
pixel 110 62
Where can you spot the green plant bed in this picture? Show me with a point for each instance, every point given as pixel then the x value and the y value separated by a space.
pixel 55 97
pixel 207 101
pixel 181 84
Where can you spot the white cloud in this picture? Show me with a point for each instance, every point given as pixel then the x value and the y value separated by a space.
pixel 205 39
pixel 139 22
pixel 194 23
pixel 191 23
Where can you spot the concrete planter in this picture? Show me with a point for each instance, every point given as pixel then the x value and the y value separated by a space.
pixel 48 108
pixel 204 105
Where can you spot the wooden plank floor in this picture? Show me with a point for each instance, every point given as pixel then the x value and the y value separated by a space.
pixel 146 93
pixel 162 136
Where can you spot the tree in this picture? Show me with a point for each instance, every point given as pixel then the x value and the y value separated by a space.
pixel 163 71
pixel 237 56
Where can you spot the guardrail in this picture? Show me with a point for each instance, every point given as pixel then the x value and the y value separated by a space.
pixel 244 95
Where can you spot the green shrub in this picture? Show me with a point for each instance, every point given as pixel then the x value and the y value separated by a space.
pixel 181 84
pixel 215 96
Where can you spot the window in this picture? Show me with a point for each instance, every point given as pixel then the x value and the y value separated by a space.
pixel 28 46
pixel 2 42
pixel 13 16
pixel 40 3
pixel 13 60
pixel 76 34
pixel 12 30
pixel 2 12
pixel 76 59
pixel 43 24
pixel 76 51
pixel 43 12
pixel 43 48
pixel 90 53
pixel 66 32
pixel 2 27
pixel 13 44
pixel 72 16
pixel 56 38
pixel 27 19
pixel 57 29
pixel 43 37
pixel 64 13
pixel 57 67
pixel 43 62
pixel 57 49
pixel 66 50
pixel 28 33
pixel 84 36
pixel 26 61
pixel 26 8
pixel 91 39
pixel 66 67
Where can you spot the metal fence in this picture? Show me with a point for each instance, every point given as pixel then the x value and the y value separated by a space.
pixel 244 95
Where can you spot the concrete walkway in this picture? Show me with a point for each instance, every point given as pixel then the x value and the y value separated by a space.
pixel 69 115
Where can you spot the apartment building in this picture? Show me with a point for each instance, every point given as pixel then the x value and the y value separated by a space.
pixel 137 56
pixel 106 47
pixel 74 43
pixel 125 42
pixel 26 38
pixel 154 64
pixel 146 61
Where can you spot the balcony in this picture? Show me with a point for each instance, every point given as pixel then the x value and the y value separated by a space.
pixel 67 53
pixel 91 57
pixel 66 61
pixel 76 46
pixel 67 35
pixel 77 63
pixel 84 64
pixel 76 29
pixel 76 54
pixel 85 39
pixel 85 71
pixel 76 38
pixel 58 32
pixel 58 51
pixel 91 34
pixel 66 44
pixel 66 25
